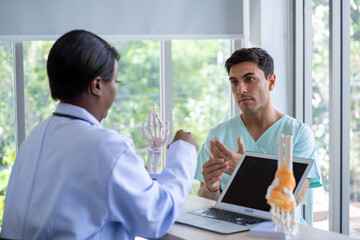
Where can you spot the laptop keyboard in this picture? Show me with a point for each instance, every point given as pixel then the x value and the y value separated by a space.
pixel 228 216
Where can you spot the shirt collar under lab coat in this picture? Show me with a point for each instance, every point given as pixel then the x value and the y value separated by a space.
pixel 76 111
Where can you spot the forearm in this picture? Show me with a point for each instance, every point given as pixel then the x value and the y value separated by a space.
pixel 303 191
pixel 204 192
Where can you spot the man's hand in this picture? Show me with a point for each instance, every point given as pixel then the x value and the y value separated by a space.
pixel 185 136
pixel 219 150
pixel 213 172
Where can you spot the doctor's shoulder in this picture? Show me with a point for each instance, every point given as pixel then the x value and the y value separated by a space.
pixel 110 138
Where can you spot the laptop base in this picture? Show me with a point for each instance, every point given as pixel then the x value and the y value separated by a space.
pixel 210 224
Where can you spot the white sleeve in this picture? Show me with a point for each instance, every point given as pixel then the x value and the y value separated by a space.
pixel 148 208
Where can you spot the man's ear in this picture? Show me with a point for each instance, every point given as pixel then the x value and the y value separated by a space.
pixel 272 80
pixel 96 86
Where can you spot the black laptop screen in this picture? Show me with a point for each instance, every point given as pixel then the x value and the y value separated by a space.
pixel 249 186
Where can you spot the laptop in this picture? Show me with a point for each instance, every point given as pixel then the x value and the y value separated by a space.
pixel 242 204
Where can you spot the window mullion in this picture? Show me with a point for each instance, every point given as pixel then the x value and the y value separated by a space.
pixel 345 115
pixel 166 100
pixel 303 76
pixel 339 117
pixel 19 96
pixel 298 82
pixel 234 109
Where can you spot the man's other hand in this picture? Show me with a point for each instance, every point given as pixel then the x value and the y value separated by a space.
pixel 213 172
pixel 219 150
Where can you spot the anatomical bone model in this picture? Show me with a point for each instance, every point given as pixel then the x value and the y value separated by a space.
pixel 280 193
pixel 156 135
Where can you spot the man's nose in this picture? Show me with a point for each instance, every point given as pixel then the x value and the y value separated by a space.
pixel 241 88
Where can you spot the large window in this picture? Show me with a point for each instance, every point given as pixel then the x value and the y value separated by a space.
pixel 139 73
pixel 322 96
pixel 200 91
pixel 7 119
pixel 38 102
pixel 200 85
pixel 355 118
pixel 320 108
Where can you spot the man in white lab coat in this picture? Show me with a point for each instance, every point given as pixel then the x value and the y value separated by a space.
pixel 74 179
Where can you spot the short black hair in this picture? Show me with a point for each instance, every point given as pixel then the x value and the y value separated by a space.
pixel 75 60
pixel 256 55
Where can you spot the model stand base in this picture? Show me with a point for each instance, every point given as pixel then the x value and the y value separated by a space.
pixel 268 230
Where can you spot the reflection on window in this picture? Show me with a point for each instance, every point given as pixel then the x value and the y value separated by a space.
pixel 320 110
pixel 7 120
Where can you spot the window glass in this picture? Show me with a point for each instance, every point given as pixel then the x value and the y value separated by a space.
pixel 140 89
pixel 7 119
pixel 355 118
pixel 38 102
pixel 138 71
pixel 201 90
pixel 320 108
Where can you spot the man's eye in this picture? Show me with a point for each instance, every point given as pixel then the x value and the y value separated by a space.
pixel 234 83
pixel 250 79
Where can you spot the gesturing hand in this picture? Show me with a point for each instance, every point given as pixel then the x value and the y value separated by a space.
pixel 219 150
pixel 213 171
pixel 185 136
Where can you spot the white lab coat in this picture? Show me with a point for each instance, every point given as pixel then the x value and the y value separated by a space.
pixel 74 179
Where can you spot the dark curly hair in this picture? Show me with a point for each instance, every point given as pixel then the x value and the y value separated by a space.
pixel 256 55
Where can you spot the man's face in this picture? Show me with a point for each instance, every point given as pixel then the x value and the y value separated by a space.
pixel 250 88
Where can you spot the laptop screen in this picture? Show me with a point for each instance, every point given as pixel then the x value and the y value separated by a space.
pixel 249 186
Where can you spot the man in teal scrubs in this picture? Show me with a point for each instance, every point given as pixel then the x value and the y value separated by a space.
pixel 252 78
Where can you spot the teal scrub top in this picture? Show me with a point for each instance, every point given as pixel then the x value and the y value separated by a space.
pixel 229 131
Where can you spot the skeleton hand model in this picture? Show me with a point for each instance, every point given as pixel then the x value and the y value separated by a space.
pixel 280 193
pixel 156 136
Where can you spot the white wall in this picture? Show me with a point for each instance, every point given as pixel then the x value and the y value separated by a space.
pixel 270 28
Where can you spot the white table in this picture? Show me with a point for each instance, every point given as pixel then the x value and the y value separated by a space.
pixel 181 231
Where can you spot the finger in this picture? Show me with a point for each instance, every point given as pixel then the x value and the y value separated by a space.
pixel 215 151
pixel 210 181
pixel 241 148
pixel 211 177
pixel 225 150
pixel 213 170
pixel 216 169
pixel 213 161
pixel 179 132
pixel 225 164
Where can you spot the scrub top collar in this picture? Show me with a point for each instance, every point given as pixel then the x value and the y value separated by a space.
pixel 76 112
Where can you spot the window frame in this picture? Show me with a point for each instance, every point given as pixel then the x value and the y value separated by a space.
pixel 166 98
pixel 339 134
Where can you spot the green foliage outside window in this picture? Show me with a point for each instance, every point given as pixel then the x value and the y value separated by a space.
pixel 355 100
pixel 7 121
pixel 320 99
pixel 200 92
